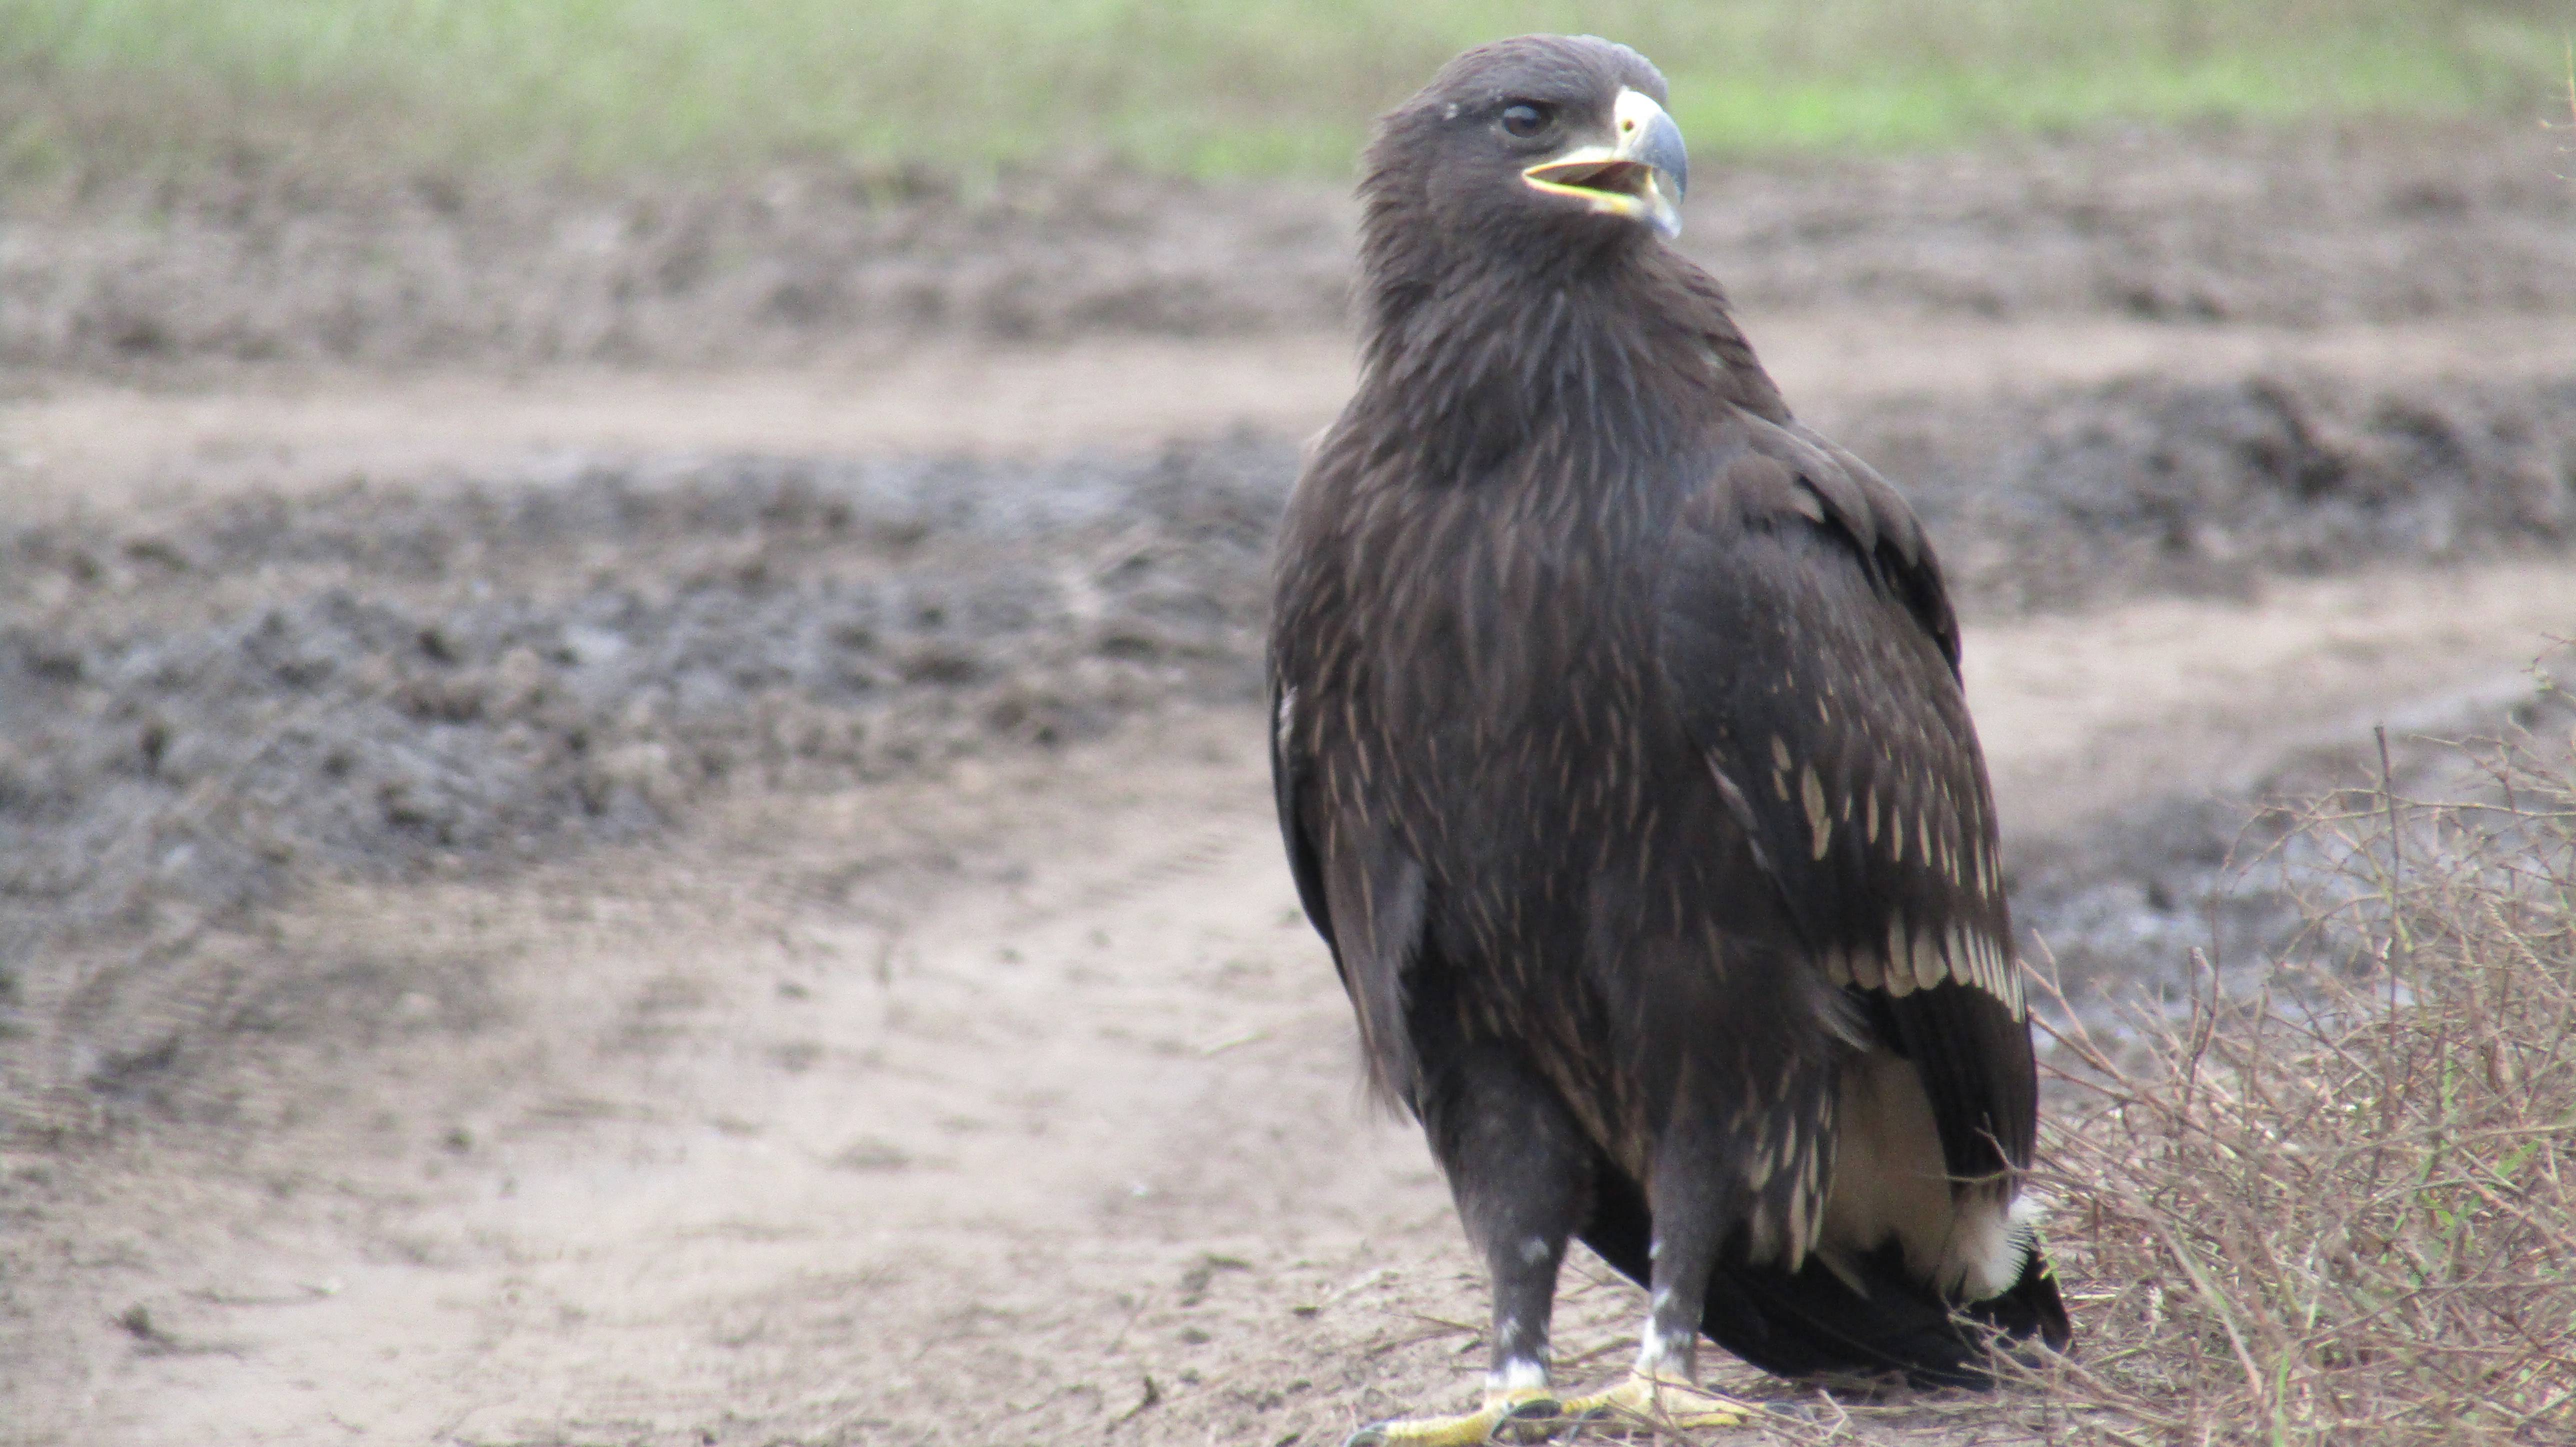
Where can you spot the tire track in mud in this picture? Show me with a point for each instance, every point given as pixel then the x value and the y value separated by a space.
pixel 1090 1122
pixel 934 1088
pixel 291 260
pixel 114 447
pixel 206 705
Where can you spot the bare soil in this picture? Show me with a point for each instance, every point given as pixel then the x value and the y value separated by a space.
pixel 1011 1102
pixel 272 261
pixel 75 439
pixel 586 859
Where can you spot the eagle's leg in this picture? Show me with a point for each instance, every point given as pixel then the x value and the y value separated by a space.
pixel 1521 1172
pixel 1694 1204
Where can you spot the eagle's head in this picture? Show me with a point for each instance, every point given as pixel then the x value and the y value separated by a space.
pixel 1539 147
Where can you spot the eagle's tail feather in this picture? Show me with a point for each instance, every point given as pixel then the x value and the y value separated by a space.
pixel 1813 1322
pixel 1872 1318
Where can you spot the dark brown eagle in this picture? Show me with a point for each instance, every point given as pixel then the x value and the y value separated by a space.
pixel 1622 760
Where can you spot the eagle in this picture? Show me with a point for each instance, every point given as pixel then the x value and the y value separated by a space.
pixel 1623 763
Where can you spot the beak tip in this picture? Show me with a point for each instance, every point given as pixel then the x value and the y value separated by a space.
pixel 1651 137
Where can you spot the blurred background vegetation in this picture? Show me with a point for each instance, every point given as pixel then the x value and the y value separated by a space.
pixel 1204 87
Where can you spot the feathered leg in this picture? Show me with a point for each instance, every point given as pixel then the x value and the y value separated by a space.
pixel 1695 1203
pixel 1520 1170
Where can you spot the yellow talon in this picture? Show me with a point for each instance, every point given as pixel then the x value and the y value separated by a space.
pixel 1660 1402
pixel 1526 1414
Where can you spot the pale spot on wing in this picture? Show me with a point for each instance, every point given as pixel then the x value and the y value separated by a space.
pixel 1929 968
pixel 1758 1174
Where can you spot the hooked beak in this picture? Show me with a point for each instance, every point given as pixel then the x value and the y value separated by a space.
pixel 1640 177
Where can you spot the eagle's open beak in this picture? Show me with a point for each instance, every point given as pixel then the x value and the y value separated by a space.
pixel 1640 177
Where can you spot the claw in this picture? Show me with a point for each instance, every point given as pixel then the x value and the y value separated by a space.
pixel 1529 1419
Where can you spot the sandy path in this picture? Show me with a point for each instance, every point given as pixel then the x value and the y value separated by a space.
pixel 754 1167
pixel 2083 713
pixel 113 446
pixel 974 1155
pixel 1013 1105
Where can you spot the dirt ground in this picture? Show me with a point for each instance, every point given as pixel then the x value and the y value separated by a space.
pixel 267 261
pixel 718 888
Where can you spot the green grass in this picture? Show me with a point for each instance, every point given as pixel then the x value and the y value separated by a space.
pixel 1212 87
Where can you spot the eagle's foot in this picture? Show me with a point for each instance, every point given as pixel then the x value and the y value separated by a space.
pixel 1645 1401
pixel 1526 1414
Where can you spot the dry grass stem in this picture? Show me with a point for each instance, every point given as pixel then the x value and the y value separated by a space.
pixel 2340 1210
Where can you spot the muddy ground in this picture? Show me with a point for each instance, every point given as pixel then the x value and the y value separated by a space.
pixel 638 817
pixel 269 262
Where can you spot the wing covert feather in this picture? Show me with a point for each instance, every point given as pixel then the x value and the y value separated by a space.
pixel 1811 649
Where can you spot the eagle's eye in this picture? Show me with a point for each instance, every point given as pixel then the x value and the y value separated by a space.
pixel 1525 119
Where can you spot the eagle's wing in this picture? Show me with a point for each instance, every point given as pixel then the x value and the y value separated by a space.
pixel 1811 650
pixel 1288 767
pixel 1363 895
